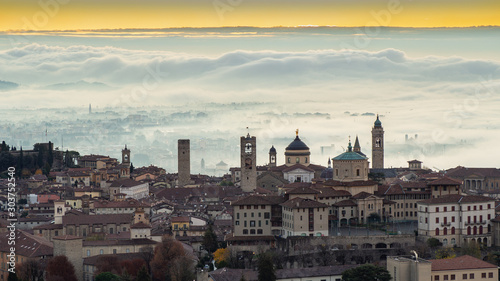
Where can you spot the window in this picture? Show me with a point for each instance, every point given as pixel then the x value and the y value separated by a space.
pixel 237 216
pixel 114 251
pixel 483 275
pixel 245 231
pixel 252 231
pixel 444 210
pixel 297 160
pixel 464 276
pixel 259 231
pixel 237 223
pixel 445 277
pixel 471 276
pixel 252 223
pixel 437 220
pixel 357 172
pixel 101 251
pixel 244 215
pixel 452 219
pixel 453 209
pixel 436 277
pixel 88 253
pixel 490 274
pixel 127 250
pixel 437 209
pixel 452 277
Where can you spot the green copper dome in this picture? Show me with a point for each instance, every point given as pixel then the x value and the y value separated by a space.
pixel 378 123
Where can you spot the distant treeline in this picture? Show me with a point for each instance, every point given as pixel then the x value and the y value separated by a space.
pixel 27 162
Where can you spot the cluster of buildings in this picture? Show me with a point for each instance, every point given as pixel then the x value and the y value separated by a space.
pixel 107 207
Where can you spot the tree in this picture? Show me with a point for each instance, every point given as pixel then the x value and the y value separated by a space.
pixel 374 217
pixel 445 253
pixel 143 275
pixel 131 168
pixel 434 243
pixel 472 249
pixel 165 254
pixel 12 277
pixel 107 276
pixel 109 264
pixel 266 269
pixel 59 268
pixel 210 240
pixel 221 257
pixel 182 269
pixel 31 270
pixel 366 272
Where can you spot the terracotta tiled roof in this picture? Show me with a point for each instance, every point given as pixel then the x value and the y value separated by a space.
pixel 256 200
pixel 460 263
pixel 125 183
pixel 461 172
pixel 302 190
pixel 67 237
pixel 297 166
pixel 180 219
pixel 97 219
pixel 345 203
pixel 456 198
pixel 445 181
pixel 330 192
pixel 362 195
pixel 27 245
pixel 298 202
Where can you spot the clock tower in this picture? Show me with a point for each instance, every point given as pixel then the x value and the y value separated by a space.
pixel 248 146
pixel 377 145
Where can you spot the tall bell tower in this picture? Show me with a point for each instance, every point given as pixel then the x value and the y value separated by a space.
pixel 248 146
pixel 377 145
pixel 126 156
pixel 272 157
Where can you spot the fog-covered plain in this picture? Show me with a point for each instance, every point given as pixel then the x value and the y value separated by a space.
pixel 149 97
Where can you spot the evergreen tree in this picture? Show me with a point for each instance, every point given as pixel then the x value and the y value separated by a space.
pixel 210 240
pixel 267 271
pixel 143 275
pixel 12 277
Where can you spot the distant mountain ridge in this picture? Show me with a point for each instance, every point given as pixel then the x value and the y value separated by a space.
pixel 79 85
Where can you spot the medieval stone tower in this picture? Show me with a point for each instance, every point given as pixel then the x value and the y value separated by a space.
pixel 184 162
pixel 377 145
pixel 248 146
pixel 126 156
pixel 272 157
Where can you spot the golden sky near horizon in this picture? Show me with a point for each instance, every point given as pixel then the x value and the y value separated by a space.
pixel 113 14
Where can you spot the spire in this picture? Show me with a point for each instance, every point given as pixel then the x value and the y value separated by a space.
pixel 329 163
pixel 297 132
pixel 357 147
pixel 349 148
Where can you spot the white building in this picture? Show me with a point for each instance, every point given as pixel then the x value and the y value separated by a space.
pixel 456 219
pixel 304 217
pixel 131 188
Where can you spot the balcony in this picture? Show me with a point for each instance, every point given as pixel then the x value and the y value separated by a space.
pixel 445 224
pixel 475 223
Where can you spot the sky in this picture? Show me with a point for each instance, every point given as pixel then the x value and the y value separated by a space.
pixel 431 72
pixel 117 14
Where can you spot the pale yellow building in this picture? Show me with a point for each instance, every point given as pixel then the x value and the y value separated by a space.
pixel 458 269
pixel 304 217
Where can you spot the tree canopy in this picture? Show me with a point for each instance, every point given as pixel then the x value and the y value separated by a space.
pixel 366 272
pixel 59 268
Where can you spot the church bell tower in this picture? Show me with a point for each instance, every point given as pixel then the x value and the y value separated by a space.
pixel 248 163
pixel 377 145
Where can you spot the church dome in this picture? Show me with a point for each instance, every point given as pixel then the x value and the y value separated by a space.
pixel 297 144
pixel 327 173
pixel 378 123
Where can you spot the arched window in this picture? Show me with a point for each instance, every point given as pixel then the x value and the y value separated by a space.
pixel 306 160
pixel 437 231
pixel 452 241
pixel 480 229
pixel 445 231
pixel 289 160
pixel 453 231
pixel 468 230
pixel 445 242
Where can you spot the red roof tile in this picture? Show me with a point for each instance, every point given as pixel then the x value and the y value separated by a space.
pixel 460 263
